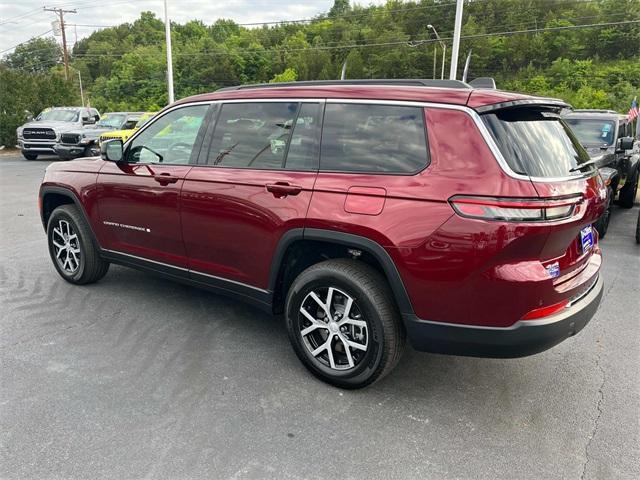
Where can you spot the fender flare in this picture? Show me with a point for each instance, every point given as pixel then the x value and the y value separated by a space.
pixel 347 239
pixel 67 192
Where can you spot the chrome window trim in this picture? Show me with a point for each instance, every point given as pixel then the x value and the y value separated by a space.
pixel 475 116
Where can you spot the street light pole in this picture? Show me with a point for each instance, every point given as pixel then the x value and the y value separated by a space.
pixel 444 48
pixel 456 40
pixel 81 92
pixel 167 34
pixel 435 59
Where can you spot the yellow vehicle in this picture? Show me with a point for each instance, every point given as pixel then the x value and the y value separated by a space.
pixel 125 134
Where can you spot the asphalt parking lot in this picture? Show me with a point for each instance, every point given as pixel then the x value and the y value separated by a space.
pixel 138 377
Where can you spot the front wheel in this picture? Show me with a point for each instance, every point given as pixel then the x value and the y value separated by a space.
pixel 29 155
pixel 343 323
pixel 72 249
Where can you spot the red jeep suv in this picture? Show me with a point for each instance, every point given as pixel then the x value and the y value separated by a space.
pixel 364 211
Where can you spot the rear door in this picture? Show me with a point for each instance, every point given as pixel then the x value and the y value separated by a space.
pixel 139 198
pixel 252 184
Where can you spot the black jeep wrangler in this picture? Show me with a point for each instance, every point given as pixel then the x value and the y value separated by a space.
pixel 608 138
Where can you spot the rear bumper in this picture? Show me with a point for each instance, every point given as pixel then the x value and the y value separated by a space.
pixel 519 340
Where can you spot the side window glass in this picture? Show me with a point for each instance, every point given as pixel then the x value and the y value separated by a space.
pixel 170 139
pixel 373 138
pixel 305 139
pixel 252 135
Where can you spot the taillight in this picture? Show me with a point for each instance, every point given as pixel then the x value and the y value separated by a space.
pixel 515 209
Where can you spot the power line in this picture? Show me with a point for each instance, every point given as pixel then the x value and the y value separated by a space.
pixel 22 43
pixel 411 43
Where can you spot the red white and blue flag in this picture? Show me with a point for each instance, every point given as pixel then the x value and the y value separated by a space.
pixel 633 111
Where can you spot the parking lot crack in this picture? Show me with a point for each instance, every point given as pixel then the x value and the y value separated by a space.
pixel 596 422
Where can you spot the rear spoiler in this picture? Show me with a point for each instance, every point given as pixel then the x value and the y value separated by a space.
pixel 551 103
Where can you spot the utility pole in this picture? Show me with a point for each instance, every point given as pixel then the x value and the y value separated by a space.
pixel 61 13
pixel 167 34
pixel 456 40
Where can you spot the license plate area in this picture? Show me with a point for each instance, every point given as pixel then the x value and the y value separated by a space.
pixel 586 238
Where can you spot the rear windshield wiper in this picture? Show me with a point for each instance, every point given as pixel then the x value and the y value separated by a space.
pixel 585 164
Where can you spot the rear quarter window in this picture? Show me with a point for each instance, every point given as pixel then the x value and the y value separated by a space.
pixel 373 138
pixel 535 142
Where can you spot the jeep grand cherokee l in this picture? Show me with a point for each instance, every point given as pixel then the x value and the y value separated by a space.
pixel 41 135
pixel 364 211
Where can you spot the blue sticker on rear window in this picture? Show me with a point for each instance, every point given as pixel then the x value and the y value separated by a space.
pixel 554 269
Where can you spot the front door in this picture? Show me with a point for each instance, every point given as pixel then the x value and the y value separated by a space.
pixel 139 198
pixel 255 184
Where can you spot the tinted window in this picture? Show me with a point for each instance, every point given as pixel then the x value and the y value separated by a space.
pixel 592 132
pixel 111 120
pixel 373 138
pixel 305 139
pixel 252 135
pixel 170 139
pixel 536 143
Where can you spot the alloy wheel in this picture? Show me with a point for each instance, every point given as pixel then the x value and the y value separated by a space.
pixel 333 329
pixel 66 245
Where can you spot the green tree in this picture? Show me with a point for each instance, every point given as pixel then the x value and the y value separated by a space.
pixel 36 56
pixel 289 75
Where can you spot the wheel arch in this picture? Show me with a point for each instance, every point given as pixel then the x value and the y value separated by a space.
pixel 300 248
pixel 51 197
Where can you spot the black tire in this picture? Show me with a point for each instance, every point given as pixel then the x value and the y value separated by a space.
pixel 602 224
pixel 29 155
pixel 89 266
pixel 373 304
pixel 628 193
pixel 89 151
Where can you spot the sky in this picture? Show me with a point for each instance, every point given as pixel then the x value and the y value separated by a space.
pixel 24 19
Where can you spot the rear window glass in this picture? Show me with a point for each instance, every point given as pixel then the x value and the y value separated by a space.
pixel 373 138
pixel 537 143
pixel 592 132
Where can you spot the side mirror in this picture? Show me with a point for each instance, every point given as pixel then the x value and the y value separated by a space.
pixel 88 120
pixel 111 150
pixel 625 143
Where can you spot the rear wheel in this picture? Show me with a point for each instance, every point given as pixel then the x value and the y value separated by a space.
pixel 29 155
pixel 72 249
pixel 629 191
pixel 343 323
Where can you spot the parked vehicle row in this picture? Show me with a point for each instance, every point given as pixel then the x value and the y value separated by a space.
pixel 354 209
pixel 41 135
pixel 608 138
pixel 73 132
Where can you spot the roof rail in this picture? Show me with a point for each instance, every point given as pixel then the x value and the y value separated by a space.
pixel 326 83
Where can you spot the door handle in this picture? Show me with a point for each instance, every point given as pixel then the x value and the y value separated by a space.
pixel 282 189
pixel 165 179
